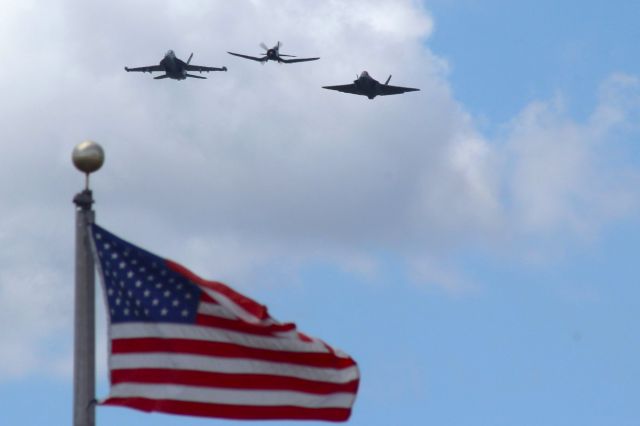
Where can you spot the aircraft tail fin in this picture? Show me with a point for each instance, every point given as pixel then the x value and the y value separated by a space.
pixel 160 77
pixel 190 56
pixel 387 82
pixel 196 76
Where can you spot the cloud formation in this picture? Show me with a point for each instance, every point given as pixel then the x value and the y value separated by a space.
pixel 564 175
pixel 259 165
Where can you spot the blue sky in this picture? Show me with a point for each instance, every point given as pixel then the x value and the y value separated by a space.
pixel 504 55
pixel 471 245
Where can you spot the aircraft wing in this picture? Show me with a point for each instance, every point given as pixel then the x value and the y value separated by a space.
pixel 385 90
pixel 196 76
pixel 150 68
pixel 201 68
pixel 291 61
pixel 346 88
pixel 253 58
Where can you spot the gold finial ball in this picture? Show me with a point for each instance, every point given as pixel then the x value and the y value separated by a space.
pixel 88 156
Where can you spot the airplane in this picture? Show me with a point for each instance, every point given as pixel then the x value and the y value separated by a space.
pixel 273 54
pixel 366 85
pixel 175 68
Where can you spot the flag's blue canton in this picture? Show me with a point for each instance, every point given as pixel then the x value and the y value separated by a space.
pixel 138 285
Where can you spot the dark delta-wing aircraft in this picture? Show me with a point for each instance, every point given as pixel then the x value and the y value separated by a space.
pixel 175 68
pixel 273 54
pixel 366 85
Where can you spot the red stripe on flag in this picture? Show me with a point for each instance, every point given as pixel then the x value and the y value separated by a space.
pixel 229 381
pixel 243 327
pixel 204 297
pixel 227 350
pixel 251 306
pixel 238 412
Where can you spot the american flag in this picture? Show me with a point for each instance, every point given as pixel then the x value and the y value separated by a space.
pixel 180 344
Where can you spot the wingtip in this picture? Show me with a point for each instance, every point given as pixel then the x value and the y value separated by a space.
pixel 126 69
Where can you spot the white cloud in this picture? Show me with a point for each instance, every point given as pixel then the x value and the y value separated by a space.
pixel 34 298
pixel 260 164
pixel 564 177
pixel 436 272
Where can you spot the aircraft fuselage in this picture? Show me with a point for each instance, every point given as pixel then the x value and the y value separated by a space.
pixel 272 54
pixel 367 85
pixel 173 66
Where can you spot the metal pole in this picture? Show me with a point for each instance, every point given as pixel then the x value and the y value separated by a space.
pixel 84 379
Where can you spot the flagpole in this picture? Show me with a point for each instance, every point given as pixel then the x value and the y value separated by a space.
pixel 88 157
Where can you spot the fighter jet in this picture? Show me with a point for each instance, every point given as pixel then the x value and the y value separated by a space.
pixel 273 54
pixel 366 85
pixel 175 68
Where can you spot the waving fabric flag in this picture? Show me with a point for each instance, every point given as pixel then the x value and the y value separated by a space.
pixel 183 345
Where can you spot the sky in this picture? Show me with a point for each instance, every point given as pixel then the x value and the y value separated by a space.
pixel 471 245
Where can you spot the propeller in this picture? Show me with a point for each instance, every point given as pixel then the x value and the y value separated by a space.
pixel 190 56
pixel 276 48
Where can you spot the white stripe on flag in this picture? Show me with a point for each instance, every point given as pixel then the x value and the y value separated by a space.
pixel 231 366
pixel 220 311
pixel 231 305
pixel 216 311
pixel 231 396
pixel 131 330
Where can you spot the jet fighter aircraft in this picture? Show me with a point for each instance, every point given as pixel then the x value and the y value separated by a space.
pixel 175 68
pixel 273 54
pixel 366 85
